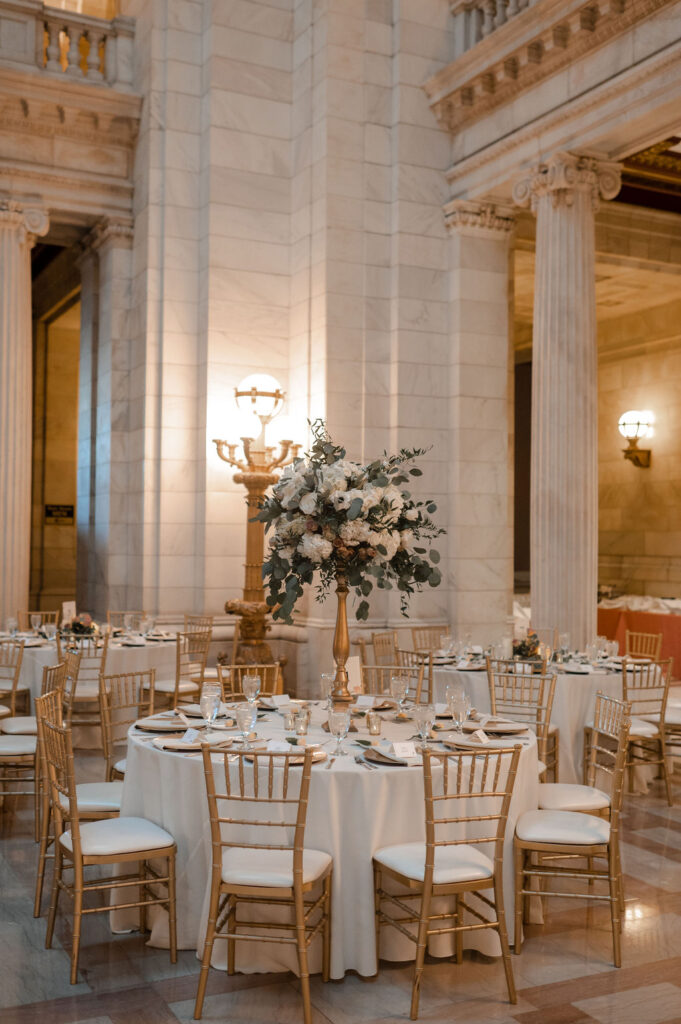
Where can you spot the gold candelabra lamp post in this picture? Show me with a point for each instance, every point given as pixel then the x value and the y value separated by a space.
pixel 259 399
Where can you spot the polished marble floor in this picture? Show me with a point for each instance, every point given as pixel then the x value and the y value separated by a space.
pixel 564 974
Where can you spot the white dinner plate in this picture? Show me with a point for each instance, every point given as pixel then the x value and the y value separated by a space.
pixel 469 742
pixel 154 724
pixel 497 726
pixel 175 743
pixel 194 710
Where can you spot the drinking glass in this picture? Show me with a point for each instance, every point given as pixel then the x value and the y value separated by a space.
pixel 374 723
pixel 459 706
pixel 613 648
pixel 399 686
pixel 36 622
pixel 289 720
pixel 425 719
pixel 339 724
pixel 246 717
pixel 50 630
pixel 454 688
pixel 602 642
pixel 128 622
pixel 468 643
pixel 592 652
pixel 251 687
pixel 564 644
pixel 326 681
pixel 302 722
pixel 12 625
pixel 209 703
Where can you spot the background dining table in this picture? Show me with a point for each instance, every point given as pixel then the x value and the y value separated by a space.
pixel 352 812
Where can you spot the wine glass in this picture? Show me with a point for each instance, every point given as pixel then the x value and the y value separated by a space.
pixel 425 719
pixel 327 681
pixel 209 703
pixel 564 644
pixel 399 686
pixel 251 688
pixel 12 625
pixel 36 621
pixel 128 621
pixel 50 630
pixel 339 724
pixel 459 706
pixel 246 717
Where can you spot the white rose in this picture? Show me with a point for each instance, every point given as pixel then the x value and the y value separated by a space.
pixel 411 514
pixel 287 553
pixel 308 504
pixel 354 532
pixel 314 547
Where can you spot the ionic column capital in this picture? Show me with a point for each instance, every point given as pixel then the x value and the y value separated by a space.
pixel 564 174
pixel 115 231
pixel 465 217
pixel 29 222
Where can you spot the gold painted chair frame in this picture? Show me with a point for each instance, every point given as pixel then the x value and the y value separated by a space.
pixel 231 680
pixel 190 664
pixel 645 686
pixel 643 645
pixel 429 638
pixel 451 780
pixel 376 679
pixel 84 665
pixel 123 699
pixel 526 697
pixel 59 757
pixel 24 618
pixel 422 660
pixel 116 618
pixel 11 693
pixel 541 860
pixel 255 781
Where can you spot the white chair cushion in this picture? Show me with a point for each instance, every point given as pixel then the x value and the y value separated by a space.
pixel 562 827
pixel 17 746
pixel 565 796
pixel 86 689
pixel 452 863
pixel 4 710
pixel 168 686
pixel 113 836
pixel 96 796
pixel 672 716
pixel 6 684
pixel 120 766
pixel 20 725
pixel 270 867
pixel 639 727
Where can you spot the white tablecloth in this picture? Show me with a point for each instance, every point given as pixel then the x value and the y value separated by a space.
pixel 352 812
pixel 573 707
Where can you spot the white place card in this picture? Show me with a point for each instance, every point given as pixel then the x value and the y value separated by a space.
pixel 68 611
pixel 365 700
pixel 480 736
pixel 278 747
pixel 404 748
pixel 279 699
pixel 191 736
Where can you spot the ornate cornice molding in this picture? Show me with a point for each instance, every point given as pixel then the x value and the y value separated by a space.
pixel 562 175
pixel 530 47
pixel 114 231
pixel 30 222
pixel 478 218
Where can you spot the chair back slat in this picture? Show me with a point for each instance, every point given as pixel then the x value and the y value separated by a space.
pixel 46 618
pixel 59 761
pixel 523 697
pixel 123 699
pixel 54 678
pixel 11 657
pixel 429 638
pixel 610 715
pixel 198 623
pixel 231 679
pixel 385 647
pixel 421 661
pixel 116 618
pixel 645 685
pixel 376 678
pixel 643 645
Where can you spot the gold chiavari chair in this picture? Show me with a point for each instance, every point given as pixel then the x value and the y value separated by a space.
pixel 231 680
pixel 96 800
pixel 424 661
pixel 190 664
pixel 123 699
pixel 643 645
pixel 18 767
pixel 11 693
pixel 261 795
pixel 84 665
pixel 116 619
pixel 385 648
pixel 46 618
pixel 54 678
pixel 646 687
pixel 97 843
pixel 524 696
pixel 558 835
pixel 376 679
pixel 528 666
pixel 451 862
pixel 429 638
pixel 198 623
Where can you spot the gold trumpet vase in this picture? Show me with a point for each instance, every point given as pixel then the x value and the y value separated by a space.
pixel 341 643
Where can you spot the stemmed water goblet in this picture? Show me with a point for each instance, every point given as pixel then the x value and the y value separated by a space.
pixel 425 719
pixel 12 625
pixel 251 688
pixel 339 725
pixel 36 621
pixel 326 684
pixel 246 717
pixel 128 622
pixel 459 704
pixel 209 702
pixel 399 687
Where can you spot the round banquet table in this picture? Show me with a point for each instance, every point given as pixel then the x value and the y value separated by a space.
pixel 351 813
pixel 573 706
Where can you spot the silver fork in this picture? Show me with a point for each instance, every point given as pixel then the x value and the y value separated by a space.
pixel 365 764
pixel 329 763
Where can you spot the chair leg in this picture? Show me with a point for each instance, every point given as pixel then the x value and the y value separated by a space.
pixel 37 788
pixel 518 857
pixel 458 936
pixel 614 906
pixel 326 937
pixel 665 773
pixel 302 958
pixel 208 944
pixel 42 854
pixel 77 919
pixel 172 909
pixel 231 929
pixel 503 939
pixel 377 909
pixel 421 942
pixel 54 898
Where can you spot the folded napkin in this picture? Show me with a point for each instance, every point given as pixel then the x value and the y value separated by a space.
pixel 134 641
pixel 274 701
pixel 575 668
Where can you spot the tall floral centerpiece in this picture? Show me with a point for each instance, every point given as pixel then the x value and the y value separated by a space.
pixel 350 524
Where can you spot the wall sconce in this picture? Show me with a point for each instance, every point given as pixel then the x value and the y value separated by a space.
pixel 634 425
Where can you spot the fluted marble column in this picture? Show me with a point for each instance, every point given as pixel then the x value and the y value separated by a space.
pixel 18 227
pixel 564 193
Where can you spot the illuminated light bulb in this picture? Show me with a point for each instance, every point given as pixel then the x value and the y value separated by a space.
pixel 636 423
pixel 260 393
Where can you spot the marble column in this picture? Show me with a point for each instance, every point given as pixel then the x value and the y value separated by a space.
pixel 564 193
pixel 480 525
pixel 18 227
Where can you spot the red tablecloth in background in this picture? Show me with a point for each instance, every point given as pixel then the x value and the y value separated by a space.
pixel 614 622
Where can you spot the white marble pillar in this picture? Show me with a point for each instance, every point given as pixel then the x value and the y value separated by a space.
pixel 18 227
pixel 564 193
pixel 480 524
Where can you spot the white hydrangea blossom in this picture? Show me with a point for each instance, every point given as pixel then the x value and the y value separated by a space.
pixel 314 547
pixel 308 504
pixel 355 532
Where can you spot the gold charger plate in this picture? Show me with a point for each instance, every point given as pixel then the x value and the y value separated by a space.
pixel 154 724
pixel 496 726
